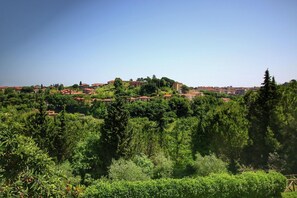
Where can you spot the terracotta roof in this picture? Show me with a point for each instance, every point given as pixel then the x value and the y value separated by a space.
pixel 51 113
pixel 79 99
pixel 97 84
pixel 226 99
pixel 17 88
pixel 144 97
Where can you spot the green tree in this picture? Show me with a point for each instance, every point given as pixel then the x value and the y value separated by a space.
pixel 263 131
pixel 37 124
pixel 185 89
pixel 145 136
pixel 180 141
pixel 75 86
pixel 148 89
pixel 26 170
pixel 119 88
pixel 8 90
pixel 201 105
pixel 160 113
pixel 115 138
pixel 286 113
pixel 60 138
pixel 201 136
pixel 98 109
pixel 27 89
pixel 86 159
pixel 230 132
pixel 180 106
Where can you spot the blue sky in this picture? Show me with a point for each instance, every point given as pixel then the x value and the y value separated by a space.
pixel 199 43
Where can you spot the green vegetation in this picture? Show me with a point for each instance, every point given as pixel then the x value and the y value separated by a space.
pixel 208 164
pixel 57 144
pixel 246 185
pixel 289 195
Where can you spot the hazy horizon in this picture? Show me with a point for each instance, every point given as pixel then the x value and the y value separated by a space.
pixel 198 43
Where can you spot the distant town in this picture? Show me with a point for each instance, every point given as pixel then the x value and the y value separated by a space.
pixel 90 89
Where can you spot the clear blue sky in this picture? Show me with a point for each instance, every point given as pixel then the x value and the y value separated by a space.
pixel 210 42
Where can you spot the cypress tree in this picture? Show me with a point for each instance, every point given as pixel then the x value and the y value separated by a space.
pixel 114 138
pixel 262 131
pixel 60 137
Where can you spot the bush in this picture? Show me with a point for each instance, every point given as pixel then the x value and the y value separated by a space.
pixel 126 170
pixel 289 195
pixel 251 184
pixel 144 163
pixel 208 164
pixel 26 170
pixel 163 166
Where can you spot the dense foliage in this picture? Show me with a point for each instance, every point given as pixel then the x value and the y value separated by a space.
pixel 246 185
pixel 55 144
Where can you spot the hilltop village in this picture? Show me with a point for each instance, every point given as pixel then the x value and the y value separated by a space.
pixel 104 91
pixel 79 98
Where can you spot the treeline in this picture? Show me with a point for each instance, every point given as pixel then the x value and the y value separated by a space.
pixel 175 138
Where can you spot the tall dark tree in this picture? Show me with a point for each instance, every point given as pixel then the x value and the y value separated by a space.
pixel 202 136
pixel 114 138
pixel 38 123
pixel 60 138
pixel 263 132
pixel 119 88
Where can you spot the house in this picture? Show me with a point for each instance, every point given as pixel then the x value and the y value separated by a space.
pixel 70 92
pixel 111 82
pixel 84 85
pixel 189 96
pixel 96 85
pixel 51 113
pixel 88 90
pixel 144 98
pixel 132 99
pixel 66 92
pixel 177 86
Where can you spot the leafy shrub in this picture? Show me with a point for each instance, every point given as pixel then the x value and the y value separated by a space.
pixel 208 164
pixel 26 170
pixel 163 166
pixel 144 163
pixel 247 185
pixel 126 170
pixel 289 195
